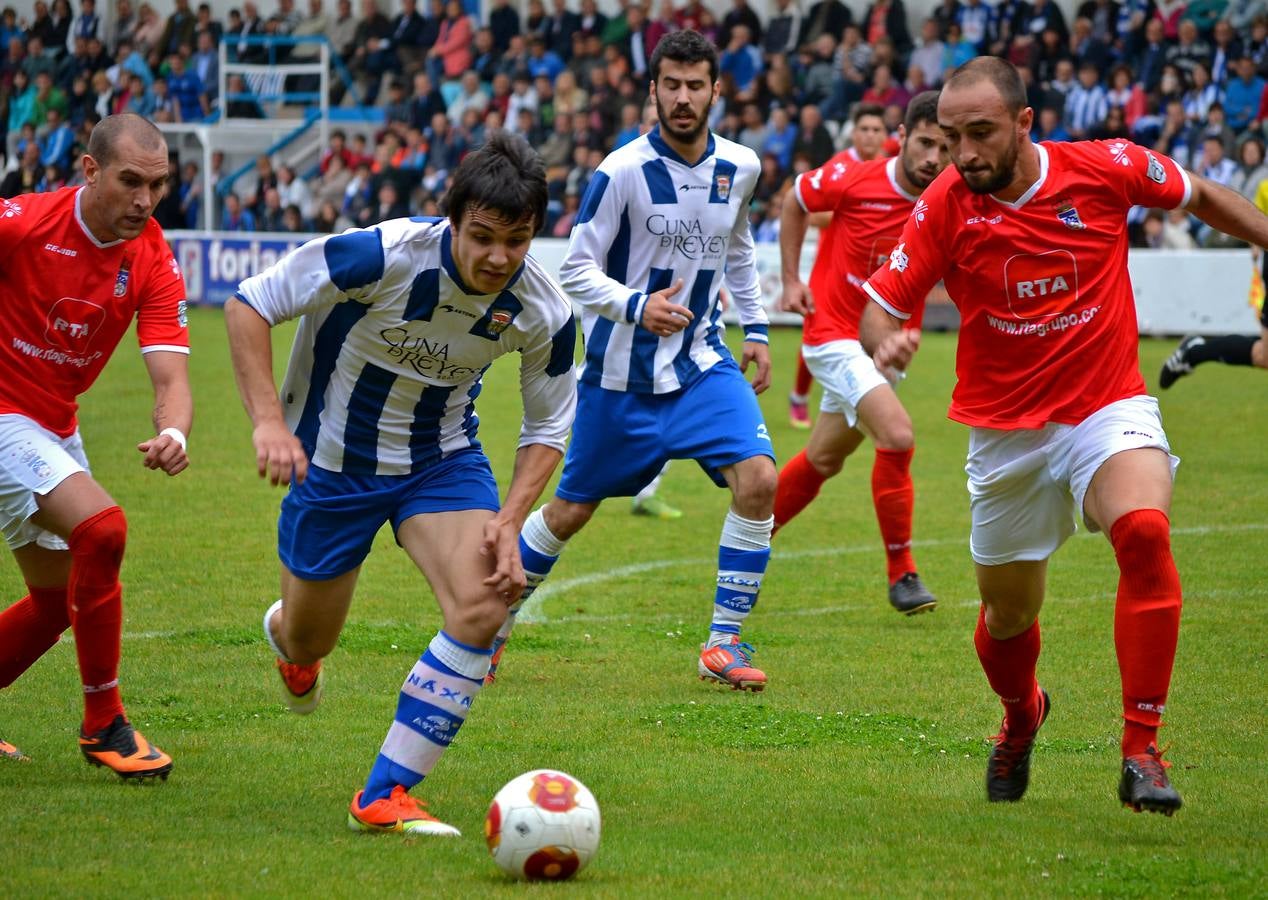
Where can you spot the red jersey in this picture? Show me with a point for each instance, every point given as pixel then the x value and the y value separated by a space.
pixel 66 300
pixel 868 210
pixel 1047 317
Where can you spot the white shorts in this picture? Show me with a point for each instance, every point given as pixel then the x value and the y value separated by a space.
pixel 1026 486
pixel 846 373
pixel 33 460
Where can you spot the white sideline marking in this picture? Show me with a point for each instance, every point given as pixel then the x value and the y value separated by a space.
pixel 531 611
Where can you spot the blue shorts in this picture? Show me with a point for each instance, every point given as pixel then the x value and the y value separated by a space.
pixel 620 440
pixel 328 523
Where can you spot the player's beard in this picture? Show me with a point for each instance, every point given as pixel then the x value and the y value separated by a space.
pixel 921 178
pixel 690 134
pixel 999 177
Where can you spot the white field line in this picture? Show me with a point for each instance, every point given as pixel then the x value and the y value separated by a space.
pixel 532 612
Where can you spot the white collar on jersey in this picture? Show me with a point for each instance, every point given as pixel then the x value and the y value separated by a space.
pixel 1034 188
pixel 84 225
pixel 659 145
pixel 891 169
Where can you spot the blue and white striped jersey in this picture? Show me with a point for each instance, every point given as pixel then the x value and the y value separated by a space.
pixel 387 362
pixel 648 219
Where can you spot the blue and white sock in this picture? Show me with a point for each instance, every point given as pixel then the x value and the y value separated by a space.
pixel 433 704
pixel 539 551
pixel 743 554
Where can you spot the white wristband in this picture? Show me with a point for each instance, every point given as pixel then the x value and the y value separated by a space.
pixel 175 434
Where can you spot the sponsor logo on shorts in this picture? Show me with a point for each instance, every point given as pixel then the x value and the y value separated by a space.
pixel 1132 433
pixel 762 433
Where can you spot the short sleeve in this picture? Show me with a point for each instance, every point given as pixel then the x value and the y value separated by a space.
pixel 923 254
pixel 822 189
pixel 1146 178
pixel 160 319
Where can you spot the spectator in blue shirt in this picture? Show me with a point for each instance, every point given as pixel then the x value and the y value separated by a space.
pixel 542 61
pixel 1241 97
pixel 56 144
pixel 741 59
pixel 781 135
pixel 186 89
pixel 236 218
pixel 1049 127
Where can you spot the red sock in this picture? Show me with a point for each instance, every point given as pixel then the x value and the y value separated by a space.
pixel 799 483
pixel 96 612
pixel 804 379
pixel 1010 668
pixel 1146 622
pixel 28 628
pixel 894 497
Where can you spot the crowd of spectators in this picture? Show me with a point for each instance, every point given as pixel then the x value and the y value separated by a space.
pixel 1185 78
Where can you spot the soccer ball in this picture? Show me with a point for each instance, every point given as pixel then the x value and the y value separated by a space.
pixel 543 825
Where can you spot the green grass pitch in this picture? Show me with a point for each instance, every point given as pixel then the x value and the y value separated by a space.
pixel 858 772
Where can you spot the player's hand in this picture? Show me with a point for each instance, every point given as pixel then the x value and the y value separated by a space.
pixel 502 542
pixel 796 298
pixel 757 352
pixel 896 350
pixel 164 452
pixel 663 317
pixel 279 456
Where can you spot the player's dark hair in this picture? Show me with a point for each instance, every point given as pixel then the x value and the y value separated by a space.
pixel 922 109
pixel 106 133
pixel 506 176
pixel 685 46
pixel 863 110
pixel 999 72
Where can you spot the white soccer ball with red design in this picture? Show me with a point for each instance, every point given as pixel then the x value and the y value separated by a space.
pixel 543 825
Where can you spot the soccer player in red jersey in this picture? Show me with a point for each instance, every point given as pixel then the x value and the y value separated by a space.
pixel 1031 241
pixel 77 266
pixel 867 142
pixel 869 202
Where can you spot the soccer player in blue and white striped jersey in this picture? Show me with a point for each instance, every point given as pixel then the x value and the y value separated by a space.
pixel 662 227
pixel 376 423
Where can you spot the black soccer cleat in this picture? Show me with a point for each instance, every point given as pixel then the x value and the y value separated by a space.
pixel 909 595
pixel 1178 364
pixel 1008 769
pixel 1145 786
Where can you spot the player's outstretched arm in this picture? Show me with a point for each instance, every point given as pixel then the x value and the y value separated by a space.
pixel 793 224
pixel 534 464
pixel 1227 211
pixel 173 412
pixel 883 336
pixel 278 453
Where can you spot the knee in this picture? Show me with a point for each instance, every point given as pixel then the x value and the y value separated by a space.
pixel 101 537
pixel 896 435
pixel 1003 622
pixel 825 462
pixel 476 617
pixel 1259 353
pixel 565 518
pixel 755 491
pixel 1139 535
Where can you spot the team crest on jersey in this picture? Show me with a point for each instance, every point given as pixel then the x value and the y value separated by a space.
pixel 1068 215
pixel 121 280
pixel 182 314
pixel 722 186
pixel 499 321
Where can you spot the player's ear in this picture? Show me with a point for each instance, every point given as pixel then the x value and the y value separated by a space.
pixel 1025 119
